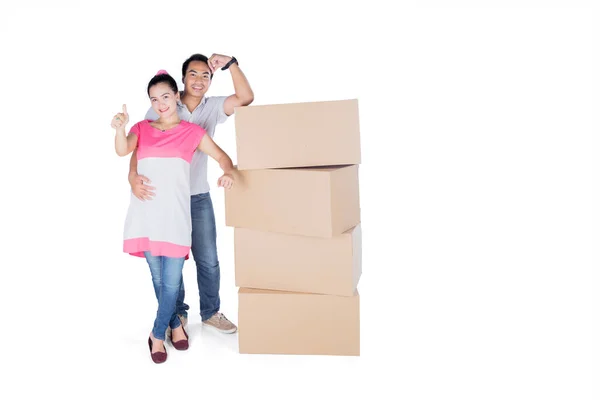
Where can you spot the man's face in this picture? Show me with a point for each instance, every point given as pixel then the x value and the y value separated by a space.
pixel 197 78
pixel 163 100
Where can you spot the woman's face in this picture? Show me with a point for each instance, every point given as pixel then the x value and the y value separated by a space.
pixel 163 100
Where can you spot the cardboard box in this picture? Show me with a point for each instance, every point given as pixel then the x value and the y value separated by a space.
pixel 320 202
pixel 277 322
pixel 266 260
pixel 297 135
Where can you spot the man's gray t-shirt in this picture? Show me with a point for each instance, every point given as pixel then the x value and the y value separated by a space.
pixel 208 115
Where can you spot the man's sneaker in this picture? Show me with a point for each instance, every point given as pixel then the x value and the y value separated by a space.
pixel 183 322
pixel 220 323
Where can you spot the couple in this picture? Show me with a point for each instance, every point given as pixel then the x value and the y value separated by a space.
pixel 161 218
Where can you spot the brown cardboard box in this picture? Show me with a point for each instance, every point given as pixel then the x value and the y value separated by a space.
pixel 320 202
pixel 266 260
pixel 297 135
pixel 277 322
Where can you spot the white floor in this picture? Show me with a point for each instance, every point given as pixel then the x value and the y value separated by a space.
pixel 479 188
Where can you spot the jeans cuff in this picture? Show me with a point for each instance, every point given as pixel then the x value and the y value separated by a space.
pixel 208 316
pixel 157 336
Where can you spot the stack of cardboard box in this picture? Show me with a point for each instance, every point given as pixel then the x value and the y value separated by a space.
pixel 296 212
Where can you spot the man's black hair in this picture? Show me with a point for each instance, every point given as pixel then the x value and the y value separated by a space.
pixel 193 57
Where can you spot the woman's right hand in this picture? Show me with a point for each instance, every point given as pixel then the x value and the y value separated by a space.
pixel 226 181
pixel 140 187
pixel 120 119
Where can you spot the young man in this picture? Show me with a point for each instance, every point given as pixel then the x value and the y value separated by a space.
pixel 197 72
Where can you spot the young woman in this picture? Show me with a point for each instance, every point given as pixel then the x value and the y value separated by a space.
pixel 160 230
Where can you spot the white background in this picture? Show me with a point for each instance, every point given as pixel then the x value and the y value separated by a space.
pixel 478 128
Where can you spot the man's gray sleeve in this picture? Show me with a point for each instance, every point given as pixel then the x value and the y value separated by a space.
pixel 151 114
pixel 220 107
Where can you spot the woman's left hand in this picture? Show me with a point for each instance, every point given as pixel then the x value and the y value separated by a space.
pixel 225 181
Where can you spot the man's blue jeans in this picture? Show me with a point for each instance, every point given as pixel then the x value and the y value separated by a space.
pixel 166 278
pixel 204 250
